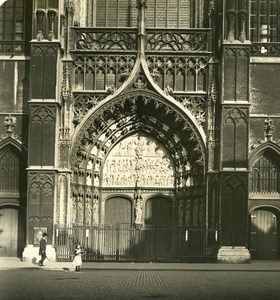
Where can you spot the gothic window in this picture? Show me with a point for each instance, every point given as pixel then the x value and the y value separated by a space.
pixel 98 73
pixel 180 80
pixel 191 80
pixel 159 78
pixel 201 80
pixel 159 13
pixel 112 13
pixel 89 78
pixel 169 79
pixel 44 4
pixel 179 73
pixel 11 171
pixel 111 78
pixel 264 20
pixel 12 20
pixel 79 78
pixel 174 13
pixel 100 79
pixel 264 175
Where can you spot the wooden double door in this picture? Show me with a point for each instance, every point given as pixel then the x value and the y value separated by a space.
pixel 157 212
pixel 264 239
pixel 12 231
pixel 119 213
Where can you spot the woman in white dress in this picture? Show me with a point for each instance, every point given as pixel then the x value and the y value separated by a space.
pixel 77 262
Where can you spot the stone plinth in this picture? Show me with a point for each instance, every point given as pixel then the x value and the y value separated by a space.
pixel 235 255
pixel 31 254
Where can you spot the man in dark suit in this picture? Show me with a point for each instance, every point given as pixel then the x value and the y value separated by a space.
pixel 42 250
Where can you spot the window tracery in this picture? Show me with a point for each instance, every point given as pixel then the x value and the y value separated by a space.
pixel 160 13
pixel 100 72
pixel 264 21
pixel 264 177
pixel 182 74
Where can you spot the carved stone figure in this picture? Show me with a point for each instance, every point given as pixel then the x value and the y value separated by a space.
pixel 95 212
pixel 138 207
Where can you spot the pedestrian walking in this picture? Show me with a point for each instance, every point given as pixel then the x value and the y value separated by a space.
pixel 42 249
pixel 77 262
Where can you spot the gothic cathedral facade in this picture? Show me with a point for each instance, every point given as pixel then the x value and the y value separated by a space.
pixel 143 114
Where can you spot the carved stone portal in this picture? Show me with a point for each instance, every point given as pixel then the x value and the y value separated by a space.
pixel 138 161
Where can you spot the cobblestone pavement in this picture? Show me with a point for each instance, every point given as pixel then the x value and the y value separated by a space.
pixel 139 284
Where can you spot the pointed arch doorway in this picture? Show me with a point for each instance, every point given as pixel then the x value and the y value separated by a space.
pixel 138 168
pixel 139 146
pixel 264 240
pixel 12 199
pixel 138 178
pixel 264 197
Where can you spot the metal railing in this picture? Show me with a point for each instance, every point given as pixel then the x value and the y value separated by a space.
pixel 139 244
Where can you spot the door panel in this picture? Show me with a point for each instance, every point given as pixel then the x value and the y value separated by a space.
pixel 118 215
pixel 158 212
pixel 264 235
pixel 118 210
pixel 9 232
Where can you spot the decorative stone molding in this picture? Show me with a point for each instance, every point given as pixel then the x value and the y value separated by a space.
pixel 42 113
pixel 101 119
pixel 268 129
pixel 138 210
pixel 261 142
pixel 66 88
pixel 141 3
pixel 138 161
pixel 10 123
pixel 179 72
pixel 140 82
pixel 69 6
pixel 231 24
pixel 61 205
pixel 190 41
pixel 243 13
pixel 234 255
pixel 102 71
pixel 64 136
pixel 196 105
pixel 40 17
pixel 51 21
pixel 94 40
pixel 213 89
pixel 211 142
pixel 168 91
pixel 83 103
pixel 265 49
pixel 236 115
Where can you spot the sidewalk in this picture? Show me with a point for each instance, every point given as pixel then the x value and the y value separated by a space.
pixel 7 263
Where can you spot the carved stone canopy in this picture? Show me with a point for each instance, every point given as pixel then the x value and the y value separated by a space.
pixel 138 112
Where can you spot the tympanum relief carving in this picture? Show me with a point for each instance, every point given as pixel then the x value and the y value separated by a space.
pixel 138 161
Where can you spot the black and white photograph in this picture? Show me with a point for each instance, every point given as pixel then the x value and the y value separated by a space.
pixel 140 149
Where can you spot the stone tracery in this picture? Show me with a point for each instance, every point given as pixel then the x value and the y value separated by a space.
pixel 104 122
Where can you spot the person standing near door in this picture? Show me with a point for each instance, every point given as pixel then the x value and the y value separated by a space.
pixel 42 249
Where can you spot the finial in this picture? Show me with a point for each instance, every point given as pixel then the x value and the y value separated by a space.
pixel 9 123
pixel 268 128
